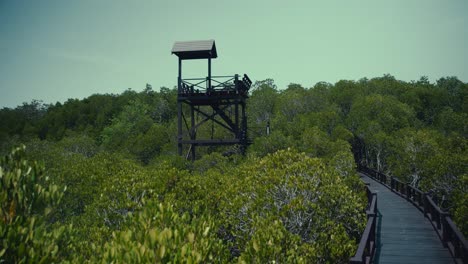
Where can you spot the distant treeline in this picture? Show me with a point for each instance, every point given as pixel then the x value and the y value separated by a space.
pixel 369 110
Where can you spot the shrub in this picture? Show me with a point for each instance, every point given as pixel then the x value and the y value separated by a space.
pixel 159 234
pixel 318 211
pixel 27 200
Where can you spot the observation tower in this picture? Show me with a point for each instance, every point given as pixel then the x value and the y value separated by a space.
pixel 220 100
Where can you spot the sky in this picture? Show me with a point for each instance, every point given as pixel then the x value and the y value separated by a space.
pixel 56 50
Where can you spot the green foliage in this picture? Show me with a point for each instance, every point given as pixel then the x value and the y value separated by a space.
pixel 170 160
pixel 262 101
pixel 316 142
pixel 126 186
pixel 159 234
pixel 343 94
pixel 292 102
pixel 460 198
pixel 343 163
pixel 104 190
pixel 132 120
pixel 307 197
pixel 27 200
pixel 448 121
pixel 271 242
pixel 276 207
pixel 377 112
pixel 134 132
pixel 79 144
pixel 416 152
pixel 150 144
pixel 270 144
pixel 211 161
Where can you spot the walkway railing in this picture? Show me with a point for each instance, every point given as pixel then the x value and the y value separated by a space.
pixel 366 248
pixel 448 232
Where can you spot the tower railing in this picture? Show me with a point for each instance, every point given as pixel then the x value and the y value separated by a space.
pixel 220 85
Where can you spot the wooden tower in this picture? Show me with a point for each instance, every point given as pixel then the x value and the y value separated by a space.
pixel 219 99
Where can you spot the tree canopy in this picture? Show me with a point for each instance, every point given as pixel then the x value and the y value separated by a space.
pixel 108 186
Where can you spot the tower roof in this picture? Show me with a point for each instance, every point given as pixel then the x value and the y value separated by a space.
pixel 198 49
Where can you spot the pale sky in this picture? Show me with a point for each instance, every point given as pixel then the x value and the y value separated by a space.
pixel 55 50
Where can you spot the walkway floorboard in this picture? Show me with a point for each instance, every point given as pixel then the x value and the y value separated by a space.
pixel 404 235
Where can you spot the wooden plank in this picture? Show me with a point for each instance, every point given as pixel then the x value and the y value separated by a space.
pixel 404 235
pixel 414 260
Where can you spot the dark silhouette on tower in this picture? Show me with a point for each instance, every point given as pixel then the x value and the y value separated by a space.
pixel 219 99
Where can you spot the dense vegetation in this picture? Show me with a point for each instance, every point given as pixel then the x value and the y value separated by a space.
pixel 107 185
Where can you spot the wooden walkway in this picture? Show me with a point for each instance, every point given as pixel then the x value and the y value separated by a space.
pixel 404 235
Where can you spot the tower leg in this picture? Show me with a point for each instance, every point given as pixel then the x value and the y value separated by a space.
pixel 193 132
pixel 236 116
pixel 243 129
pixel 179 128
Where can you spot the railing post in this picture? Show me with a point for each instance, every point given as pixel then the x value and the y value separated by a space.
pixel 456 247
pixel 444 224
pixel 433 215
pixel 438 216
pixel 375 201
pixel 209 75
pixel 408 192
pixel 424 202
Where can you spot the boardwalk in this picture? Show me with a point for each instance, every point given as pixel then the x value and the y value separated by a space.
pixel 404 235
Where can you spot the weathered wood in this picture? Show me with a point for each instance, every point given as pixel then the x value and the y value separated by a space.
pixel 367 245
pixel 404 235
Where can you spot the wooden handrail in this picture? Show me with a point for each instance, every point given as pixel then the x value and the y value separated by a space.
pixel 366 248
pixel 443 224
pixel 189 86
pixel 455 240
